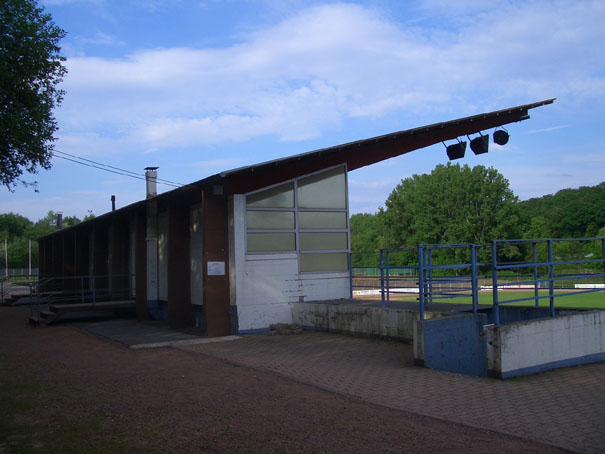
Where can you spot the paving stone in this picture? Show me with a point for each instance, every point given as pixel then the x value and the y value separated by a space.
pixel 565 407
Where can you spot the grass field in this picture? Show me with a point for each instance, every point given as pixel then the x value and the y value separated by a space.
pixel 594 300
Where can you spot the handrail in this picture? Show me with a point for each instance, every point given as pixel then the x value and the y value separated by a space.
pixel 434 283
pixel 52 289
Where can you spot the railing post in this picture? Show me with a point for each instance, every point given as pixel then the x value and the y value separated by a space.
pixel 551 278
pixel 474 283
pixel 382 277
pixel 82 289
pixel 388 278
pixel 430 278
pixel 421 279
pixel 536 283
pixel 94 296
pixel 350 275
pixel 603 256
pixel 495 282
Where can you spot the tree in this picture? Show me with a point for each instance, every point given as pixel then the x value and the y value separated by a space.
pixel 30 70
pixel 570 213
pixel 366 238
pixel 452 205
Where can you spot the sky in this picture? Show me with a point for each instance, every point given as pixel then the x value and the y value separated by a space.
pixel 199 87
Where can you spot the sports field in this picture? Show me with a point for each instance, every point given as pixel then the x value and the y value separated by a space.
pixel 594 300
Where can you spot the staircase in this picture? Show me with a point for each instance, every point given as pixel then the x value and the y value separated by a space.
pixel 54 311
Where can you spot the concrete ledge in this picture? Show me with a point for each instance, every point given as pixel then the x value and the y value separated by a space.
pixel 588 359
pixel 364 321
pixel 533 346
pixel 201 340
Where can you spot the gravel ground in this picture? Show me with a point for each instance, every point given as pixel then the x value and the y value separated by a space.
pixel 175 401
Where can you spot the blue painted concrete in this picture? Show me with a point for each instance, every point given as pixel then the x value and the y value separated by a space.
pixel 198 314
pixel 158 309
pixel 234 320
pixel 254 331
pixel 569 362
pixel 456 344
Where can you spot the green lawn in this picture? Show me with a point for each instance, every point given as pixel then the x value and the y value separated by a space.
pixel 594 300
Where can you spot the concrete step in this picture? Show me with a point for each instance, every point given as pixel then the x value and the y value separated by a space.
pixel 36 320
pixel 48 315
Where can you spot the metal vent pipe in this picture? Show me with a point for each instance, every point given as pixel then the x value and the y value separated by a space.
pixel 151 177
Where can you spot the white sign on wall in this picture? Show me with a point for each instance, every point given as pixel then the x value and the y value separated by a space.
pixel 216 268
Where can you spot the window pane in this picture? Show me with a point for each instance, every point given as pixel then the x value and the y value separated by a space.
pixel 322 220
pixel 271 242
pixel 270 219
pixel 325 190
pixel 324 262
pixel 278 197
pixel 325 241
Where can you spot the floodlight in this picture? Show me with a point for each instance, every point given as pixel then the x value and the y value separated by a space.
pixel 456 151
pixel 480 144
pixel 501 136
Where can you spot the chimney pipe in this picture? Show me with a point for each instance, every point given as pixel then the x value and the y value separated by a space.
pixel 59 221
pixel 113 203
pixel 151 176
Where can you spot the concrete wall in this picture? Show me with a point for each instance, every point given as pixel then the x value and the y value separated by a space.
pixel 454 343
pixel 358 320
pixel 534 346
pixel 264 285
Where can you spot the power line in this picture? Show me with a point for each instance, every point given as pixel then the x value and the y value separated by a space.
pixel 112 169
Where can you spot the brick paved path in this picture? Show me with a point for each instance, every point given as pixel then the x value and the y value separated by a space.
pixel 564 407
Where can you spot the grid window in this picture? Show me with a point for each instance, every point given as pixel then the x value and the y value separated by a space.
pixel 308 215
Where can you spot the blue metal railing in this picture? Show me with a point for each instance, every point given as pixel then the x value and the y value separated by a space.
pixel 551 263
pixel 83 289
pixel 439 275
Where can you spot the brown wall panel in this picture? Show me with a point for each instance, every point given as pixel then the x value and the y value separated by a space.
pixel 140 264
pixel 180 311
pixel 216 249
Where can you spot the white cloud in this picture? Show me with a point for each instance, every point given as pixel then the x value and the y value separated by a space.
pixel 325 64
pixel 552 128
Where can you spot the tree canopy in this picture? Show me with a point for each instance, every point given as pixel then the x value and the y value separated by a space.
pixel 31 68
pixel 18 231
pixel 570 213
pixel 452 204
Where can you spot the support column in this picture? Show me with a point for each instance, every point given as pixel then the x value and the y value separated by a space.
pixel 140 265
pixel 216 262
pixel 180 311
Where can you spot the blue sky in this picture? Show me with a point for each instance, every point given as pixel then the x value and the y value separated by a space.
pixel 198 87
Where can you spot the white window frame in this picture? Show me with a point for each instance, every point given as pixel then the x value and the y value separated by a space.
pixel 297 230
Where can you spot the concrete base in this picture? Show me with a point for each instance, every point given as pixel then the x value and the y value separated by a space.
pixel 452 344
pixel 358 320
pixel 534 346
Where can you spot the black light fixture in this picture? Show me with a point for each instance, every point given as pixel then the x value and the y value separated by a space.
pixel 501 136
pixel 456 151
pixel 480 144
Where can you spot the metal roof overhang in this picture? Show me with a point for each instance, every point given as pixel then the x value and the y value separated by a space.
pixel 369 151
pixel 355 154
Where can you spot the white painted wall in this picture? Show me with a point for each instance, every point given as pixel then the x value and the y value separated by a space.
pixel 529 344
pixel 264 285
pixel 152 250
pixel 163 255
pixel 195 254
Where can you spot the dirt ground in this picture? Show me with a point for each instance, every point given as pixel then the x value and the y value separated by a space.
pixel 174 401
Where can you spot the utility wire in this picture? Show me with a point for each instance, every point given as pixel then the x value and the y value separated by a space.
pixel 112 169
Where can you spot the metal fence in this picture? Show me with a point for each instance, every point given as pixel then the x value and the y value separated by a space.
pixel 441 273
pixel 17 272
